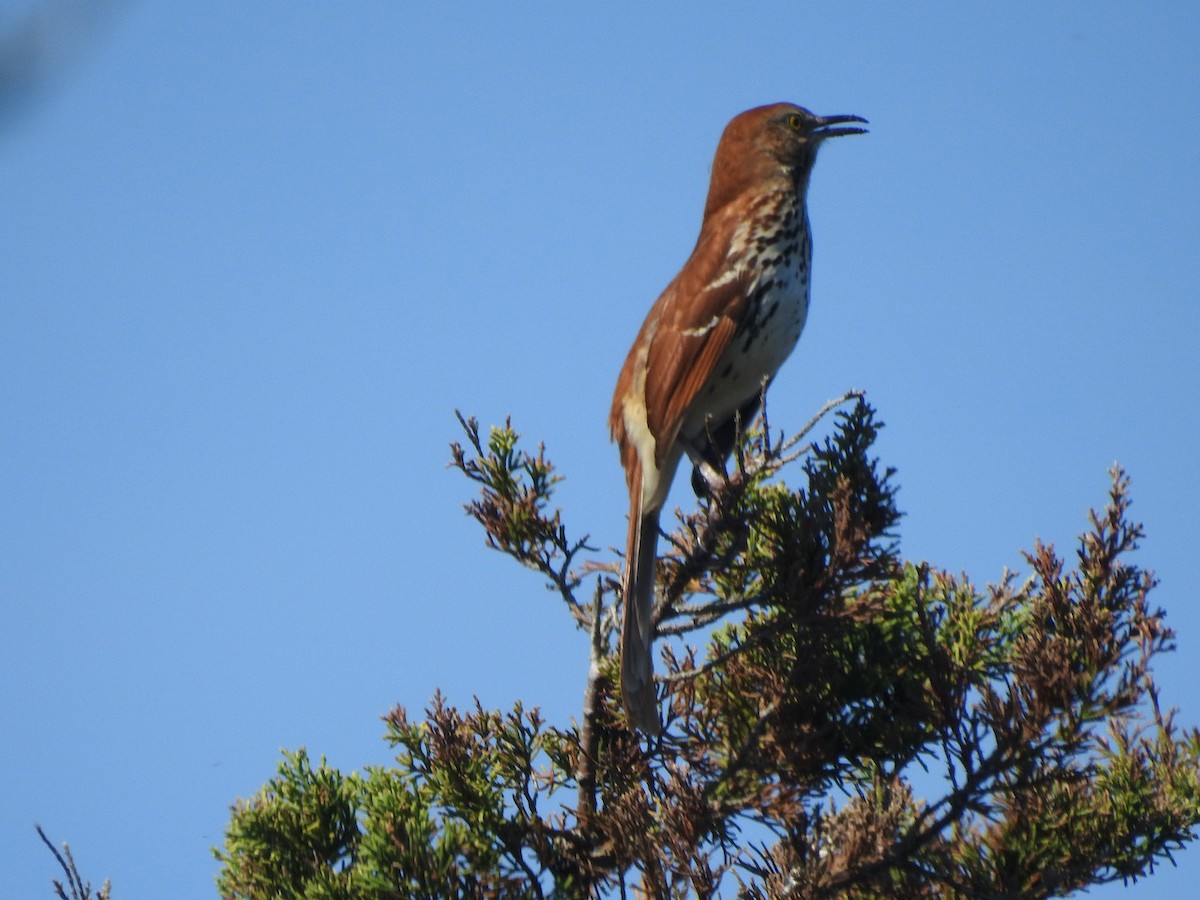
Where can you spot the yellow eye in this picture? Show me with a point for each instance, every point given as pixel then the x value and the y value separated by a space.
pixel 795 122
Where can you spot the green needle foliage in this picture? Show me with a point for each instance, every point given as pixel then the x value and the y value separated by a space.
pixel 813 680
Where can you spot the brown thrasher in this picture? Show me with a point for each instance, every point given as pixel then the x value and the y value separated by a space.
pixel 712 342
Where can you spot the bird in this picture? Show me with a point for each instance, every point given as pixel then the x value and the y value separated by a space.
pixel 711 344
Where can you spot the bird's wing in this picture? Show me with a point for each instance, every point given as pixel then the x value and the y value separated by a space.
pixel 700 313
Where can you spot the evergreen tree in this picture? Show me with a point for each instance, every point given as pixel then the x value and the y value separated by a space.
pixel 811 675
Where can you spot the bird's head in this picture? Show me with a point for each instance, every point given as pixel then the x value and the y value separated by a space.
pixel 769 142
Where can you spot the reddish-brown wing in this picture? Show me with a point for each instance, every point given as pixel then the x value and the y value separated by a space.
pixel 699 313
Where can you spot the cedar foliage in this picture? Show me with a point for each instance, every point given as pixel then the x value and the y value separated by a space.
pixel 814 680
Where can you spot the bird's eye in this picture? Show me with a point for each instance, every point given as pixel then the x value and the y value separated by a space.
pixel 795 122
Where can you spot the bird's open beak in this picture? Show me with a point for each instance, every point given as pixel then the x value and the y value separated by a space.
pixel 823 127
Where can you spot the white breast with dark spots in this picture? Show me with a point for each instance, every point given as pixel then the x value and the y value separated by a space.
pixel 778 306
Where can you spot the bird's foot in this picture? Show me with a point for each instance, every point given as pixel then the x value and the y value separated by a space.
pixel 707 480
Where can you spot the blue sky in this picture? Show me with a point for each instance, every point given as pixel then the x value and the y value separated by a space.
pixel 252 257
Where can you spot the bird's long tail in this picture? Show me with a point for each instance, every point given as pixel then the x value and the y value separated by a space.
pixel 637 626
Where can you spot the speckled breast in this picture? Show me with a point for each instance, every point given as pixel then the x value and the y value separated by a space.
pixel 778 298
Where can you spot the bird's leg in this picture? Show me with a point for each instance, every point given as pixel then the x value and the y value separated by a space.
pixel 706 477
